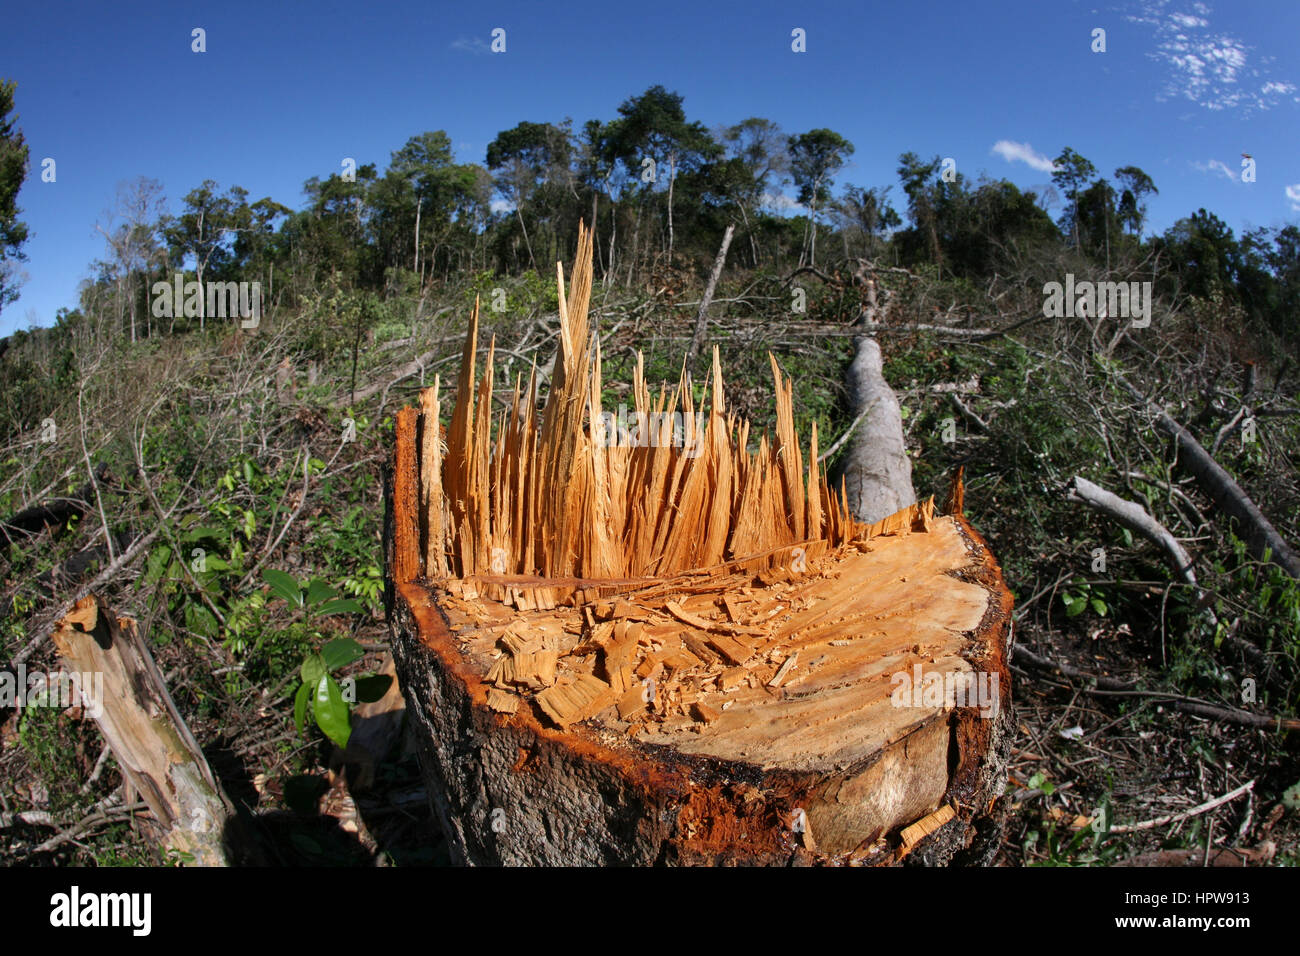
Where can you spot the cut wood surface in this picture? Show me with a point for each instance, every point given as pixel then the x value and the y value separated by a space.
pixel 678 645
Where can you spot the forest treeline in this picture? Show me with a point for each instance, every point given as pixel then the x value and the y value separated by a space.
pixel 660 190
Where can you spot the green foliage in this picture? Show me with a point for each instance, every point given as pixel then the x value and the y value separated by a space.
pixel 1082 597
pixel 13 170
pixel 319 693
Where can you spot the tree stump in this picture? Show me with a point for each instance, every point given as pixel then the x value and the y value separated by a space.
pixel 651 645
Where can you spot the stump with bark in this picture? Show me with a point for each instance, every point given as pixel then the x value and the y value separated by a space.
pixel 673 643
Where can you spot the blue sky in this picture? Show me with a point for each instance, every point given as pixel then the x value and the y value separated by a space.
pixel 285 91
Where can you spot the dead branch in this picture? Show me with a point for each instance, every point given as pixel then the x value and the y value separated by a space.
pixel 718 263
pixel 1135 517
pixel 1186 814
pixel 1260 536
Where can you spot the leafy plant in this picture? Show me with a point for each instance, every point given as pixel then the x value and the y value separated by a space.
pixel 1081 598
pixel 320 693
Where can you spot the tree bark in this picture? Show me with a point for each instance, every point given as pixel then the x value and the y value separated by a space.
pixel 718 263
pixel 875 469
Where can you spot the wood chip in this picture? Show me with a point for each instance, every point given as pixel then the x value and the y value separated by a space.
pixel 703 624
pixel 784 670
pixel 923 827
pixel 632 702
pixel 700 649
pixel 582 698
pixel 704 712
pixel 502 701
pixel 734 651
pixel 732 677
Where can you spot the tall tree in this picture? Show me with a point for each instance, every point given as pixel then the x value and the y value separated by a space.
pixel 205 230
pixel 133 243
pixel 1072 172
pixel 866 211
pixel 1135 185
pixel 918 179
pixel 446 195
pixel 654 126
pixel 13 170
pixel 1098 219
pixel 762 152
pixel 532 167
pixel 815 157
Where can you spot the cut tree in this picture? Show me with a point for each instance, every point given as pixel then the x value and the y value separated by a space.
pixel 679 650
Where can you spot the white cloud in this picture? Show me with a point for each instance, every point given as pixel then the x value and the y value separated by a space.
pixel 1014 152
pixel 1293 194
pixel 783 203
pixel 1209 67
pixel 1214 166
pixel 470 45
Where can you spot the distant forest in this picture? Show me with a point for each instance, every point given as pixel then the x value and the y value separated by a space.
pixel 660 190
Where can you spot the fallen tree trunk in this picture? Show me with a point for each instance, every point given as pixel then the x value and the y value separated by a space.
pixel 875 470
pixel 654 645
pixel 402 372
pixel 154 748
pixel 1257 531
pixel 714 274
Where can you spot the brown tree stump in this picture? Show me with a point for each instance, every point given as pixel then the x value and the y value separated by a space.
pixel 653 647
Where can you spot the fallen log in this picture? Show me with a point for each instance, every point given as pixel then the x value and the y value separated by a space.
pixel 875 470
pixel 154 748
pixel 401 372
pixel 1257 531
pixel 661 645
pixel 719 261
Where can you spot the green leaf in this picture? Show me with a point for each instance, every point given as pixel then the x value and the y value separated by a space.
pixel 157 565
pixel 313 669
pixel 331 712
pixel 202 533
pixel 371 689
pixel 200 620
pixel 248 474
pixel 1099 606
pixel 250 525
pixel 340 653
pixel 300 701
pixel 283 585
pixel 1039 781
pixel 340 606
pixel 1074 607
pixel 318 591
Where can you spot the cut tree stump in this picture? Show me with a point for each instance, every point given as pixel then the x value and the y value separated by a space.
pixel 673 644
